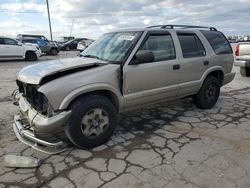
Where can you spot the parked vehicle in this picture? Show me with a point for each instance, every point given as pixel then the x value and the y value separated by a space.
pixel 82 45
pixel 13 49
pixel 70 45
pixel 242 54
pixel 122 70
pixel 49 48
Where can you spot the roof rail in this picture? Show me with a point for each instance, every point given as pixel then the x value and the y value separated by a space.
pixel 182 27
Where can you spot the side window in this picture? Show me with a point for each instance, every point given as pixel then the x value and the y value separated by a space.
pixel 161 46
pixel 191 45
pixel 41 42
pixel 218 42
pixel 1 41
pixel 8 41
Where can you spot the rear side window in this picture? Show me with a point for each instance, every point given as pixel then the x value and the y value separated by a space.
pixel 1 41
pixel 8 41
pixel 161 45
pixel 191 45
pixel 218 42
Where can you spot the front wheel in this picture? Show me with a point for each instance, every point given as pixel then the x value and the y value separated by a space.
pixel 208 94
pixel 92 122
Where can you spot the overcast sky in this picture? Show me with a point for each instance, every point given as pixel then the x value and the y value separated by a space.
pixel 91 18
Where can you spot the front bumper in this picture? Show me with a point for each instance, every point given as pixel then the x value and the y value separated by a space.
pixel 27 136
pixel 30 123
pixel 38 53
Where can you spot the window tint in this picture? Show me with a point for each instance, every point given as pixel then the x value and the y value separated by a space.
pixel 1 41
pixel 29 40
pixel 161 45
pixel 218 42
pixel 10 41
pixel 41 42
pixel 191 45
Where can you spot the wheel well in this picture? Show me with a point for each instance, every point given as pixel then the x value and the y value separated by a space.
pixel 29 51
pixel 217 74
pixel 106 93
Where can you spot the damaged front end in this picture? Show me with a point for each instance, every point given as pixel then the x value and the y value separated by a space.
pixel 37 122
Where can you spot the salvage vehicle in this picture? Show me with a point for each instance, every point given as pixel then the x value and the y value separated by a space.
pixel 242 54
pixel 13 49
pixel 120 71
pixel 50 48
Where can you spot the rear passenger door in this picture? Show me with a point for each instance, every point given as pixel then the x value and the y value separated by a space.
pixel 193 61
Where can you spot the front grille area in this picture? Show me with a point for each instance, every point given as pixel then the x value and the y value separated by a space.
pixel 36 99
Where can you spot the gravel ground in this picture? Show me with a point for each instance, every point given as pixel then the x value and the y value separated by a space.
pixel 172 144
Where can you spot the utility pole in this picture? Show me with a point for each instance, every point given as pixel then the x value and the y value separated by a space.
pixel 49 20
pixel 71 27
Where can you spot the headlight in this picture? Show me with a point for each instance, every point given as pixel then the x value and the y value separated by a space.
pixel 43 105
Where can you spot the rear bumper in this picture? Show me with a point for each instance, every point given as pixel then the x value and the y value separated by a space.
pixel 28 137
pixel 228 78
pixel 242 63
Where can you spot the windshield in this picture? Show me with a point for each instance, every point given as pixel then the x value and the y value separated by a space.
pixel 112 47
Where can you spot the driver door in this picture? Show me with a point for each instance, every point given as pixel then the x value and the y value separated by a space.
pixel 147 82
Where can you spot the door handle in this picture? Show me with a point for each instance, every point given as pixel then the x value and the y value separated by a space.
pixel 206 62
pixel 176 67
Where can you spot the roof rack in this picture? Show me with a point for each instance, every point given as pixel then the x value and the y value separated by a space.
pixel 182 27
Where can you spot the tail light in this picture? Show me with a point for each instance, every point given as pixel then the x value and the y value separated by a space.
pixel 237 51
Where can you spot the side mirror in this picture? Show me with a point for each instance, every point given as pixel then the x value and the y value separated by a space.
pixel 19 44
pixel 144 56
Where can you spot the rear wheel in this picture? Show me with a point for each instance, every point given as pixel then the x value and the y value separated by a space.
pixel 30 56
pixel 92 122
pixel 244 71
pixel 208 94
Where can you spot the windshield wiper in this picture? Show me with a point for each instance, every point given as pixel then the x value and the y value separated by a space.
pixel 91 56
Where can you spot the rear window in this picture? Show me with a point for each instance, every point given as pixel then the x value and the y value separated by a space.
pixel 191 45
pixel 218 42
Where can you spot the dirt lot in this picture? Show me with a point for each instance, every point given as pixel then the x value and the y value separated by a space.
pixel 172 144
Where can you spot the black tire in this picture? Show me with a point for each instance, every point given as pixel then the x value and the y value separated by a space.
pixel 245 72
pixel 209 93
pixel 53 51
pixel 30 56
pixel 80 109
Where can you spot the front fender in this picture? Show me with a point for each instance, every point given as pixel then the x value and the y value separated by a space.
pixel 91 88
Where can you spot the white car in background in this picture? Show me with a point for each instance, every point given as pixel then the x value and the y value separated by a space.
pixel 13 49
pixel 82 45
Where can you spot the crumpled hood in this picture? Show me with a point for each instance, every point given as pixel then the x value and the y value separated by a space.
pixel 33 74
